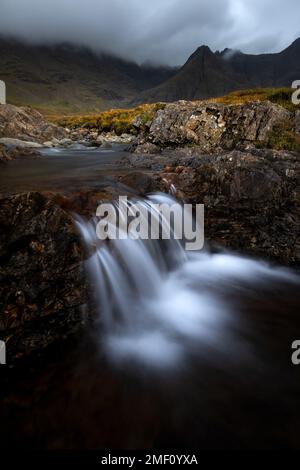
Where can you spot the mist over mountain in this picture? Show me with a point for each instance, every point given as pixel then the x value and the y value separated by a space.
pixel 74 56
pixel 66 78
pixel 207 74
pixel 160 31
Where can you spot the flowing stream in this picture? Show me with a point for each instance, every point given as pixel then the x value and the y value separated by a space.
pixel 159 304
pixel 191 350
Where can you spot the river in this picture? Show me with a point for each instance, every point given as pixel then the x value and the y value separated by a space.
pixel 192 353
pixel 61 168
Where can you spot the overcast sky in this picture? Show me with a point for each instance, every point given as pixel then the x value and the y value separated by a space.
pixel 160 31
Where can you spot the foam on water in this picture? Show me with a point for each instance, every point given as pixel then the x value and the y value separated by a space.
pixel 157 303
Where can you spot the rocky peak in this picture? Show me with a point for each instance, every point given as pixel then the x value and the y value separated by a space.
pixel 201 54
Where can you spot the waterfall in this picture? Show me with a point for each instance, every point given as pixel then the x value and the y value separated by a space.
pixel 159 303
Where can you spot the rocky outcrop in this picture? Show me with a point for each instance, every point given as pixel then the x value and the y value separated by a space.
pixel 252 199
pixel 42 291
pixel 208 74
pixel 213 127
pixel 25 123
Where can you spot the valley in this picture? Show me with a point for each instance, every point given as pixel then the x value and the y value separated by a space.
pixel 67 79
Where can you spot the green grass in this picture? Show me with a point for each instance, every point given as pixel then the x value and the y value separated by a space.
pixel 282 137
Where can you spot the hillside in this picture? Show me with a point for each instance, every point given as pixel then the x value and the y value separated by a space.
pixel 207 74
pixel 66 79
pixel 69 79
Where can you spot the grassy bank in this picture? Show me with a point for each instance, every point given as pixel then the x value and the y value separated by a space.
pixel 121 120
pixel 282 137
pixel 116 120
pixel 280 96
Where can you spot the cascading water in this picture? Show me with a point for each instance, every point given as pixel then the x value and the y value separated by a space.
pixel 158 303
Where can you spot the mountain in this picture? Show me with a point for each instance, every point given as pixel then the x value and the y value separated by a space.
pixel 67 78
pixel 207 74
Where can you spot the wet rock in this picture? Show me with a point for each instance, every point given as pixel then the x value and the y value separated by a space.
pixel 252 202
pixel 252 199
pixel 142 183
pixel 43 290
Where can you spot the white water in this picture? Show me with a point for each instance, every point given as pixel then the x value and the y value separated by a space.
pixel 158 304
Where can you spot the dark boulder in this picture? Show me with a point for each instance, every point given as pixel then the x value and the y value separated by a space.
pixel 43 292
pixel 252 199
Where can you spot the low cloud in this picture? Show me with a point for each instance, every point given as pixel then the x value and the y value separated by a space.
pixel 159 31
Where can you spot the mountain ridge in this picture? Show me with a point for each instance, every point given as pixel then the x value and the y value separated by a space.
pixel 208 74
pixel 67 79
pixel 72 78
